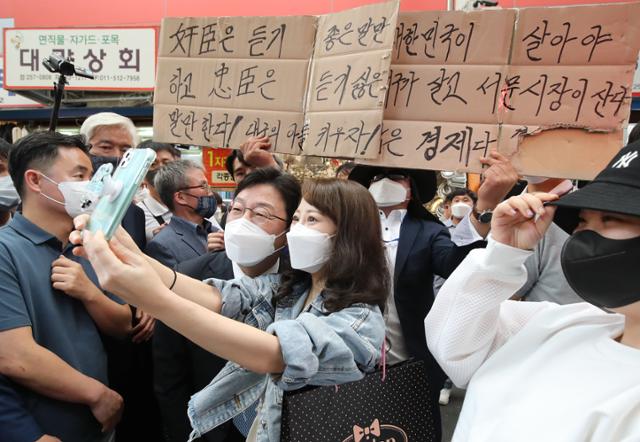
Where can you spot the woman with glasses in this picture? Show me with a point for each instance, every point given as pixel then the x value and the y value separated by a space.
pixel 319 324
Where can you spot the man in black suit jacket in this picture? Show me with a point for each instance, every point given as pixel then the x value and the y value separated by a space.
pixel 419 247
pixel 183 188
pixel 267 198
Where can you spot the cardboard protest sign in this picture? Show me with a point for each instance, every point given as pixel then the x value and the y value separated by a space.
pixel 348 82
pixel 223 79
pixel 551 87
pixel 555 100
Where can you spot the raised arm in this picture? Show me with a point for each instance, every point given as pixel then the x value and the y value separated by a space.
pixel 471 318
pixel 184 286
pixel 143 282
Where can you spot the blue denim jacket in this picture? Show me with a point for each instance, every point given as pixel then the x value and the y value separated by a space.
pixel 318 348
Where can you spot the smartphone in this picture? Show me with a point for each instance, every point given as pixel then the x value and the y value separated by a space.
pixel 118 192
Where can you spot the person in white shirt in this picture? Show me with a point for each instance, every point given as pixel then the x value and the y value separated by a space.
pixel 515 357
pixel 156 214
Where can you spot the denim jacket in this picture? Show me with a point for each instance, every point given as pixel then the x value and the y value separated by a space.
pixel 318 348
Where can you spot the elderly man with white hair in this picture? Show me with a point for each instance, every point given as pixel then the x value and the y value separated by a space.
pixel 109 134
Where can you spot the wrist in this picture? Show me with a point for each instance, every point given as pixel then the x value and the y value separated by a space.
pixel 485 204
pixel 91 294
pixel 94 392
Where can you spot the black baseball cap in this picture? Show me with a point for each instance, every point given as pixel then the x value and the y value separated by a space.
pixel 615 189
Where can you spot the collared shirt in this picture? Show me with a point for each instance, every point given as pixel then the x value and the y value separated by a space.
pixel 153 210
pixel 59 322
pixel 396 347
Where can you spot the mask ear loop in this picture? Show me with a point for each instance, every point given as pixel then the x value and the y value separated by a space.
pixel 285 231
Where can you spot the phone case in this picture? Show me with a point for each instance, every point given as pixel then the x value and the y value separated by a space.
pixel 118 192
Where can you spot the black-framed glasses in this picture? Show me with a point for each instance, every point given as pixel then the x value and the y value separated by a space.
pixel 260 215
pixel 204 186
pixel 391 176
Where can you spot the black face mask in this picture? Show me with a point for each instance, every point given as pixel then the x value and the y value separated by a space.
pixel 604 272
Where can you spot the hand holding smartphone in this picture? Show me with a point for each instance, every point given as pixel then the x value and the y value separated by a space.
pixel 118 192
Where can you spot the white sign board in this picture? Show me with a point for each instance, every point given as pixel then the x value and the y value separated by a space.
pixel 120 58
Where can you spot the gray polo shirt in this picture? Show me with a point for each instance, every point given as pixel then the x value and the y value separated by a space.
pixel 59 322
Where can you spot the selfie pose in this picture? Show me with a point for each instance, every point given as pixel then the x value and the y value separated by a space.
pixel 319 324
pixel 539 371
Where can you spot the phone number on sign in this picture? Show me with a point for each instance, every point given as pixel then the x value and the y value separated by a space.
pixel 114 77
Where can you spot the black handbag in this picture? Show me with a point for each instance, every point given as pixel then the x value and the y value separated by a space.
pixel 395 409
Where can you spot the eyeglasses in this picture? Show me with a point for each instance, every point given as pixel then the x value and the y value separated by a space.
pixel 391 176
pixel 261 215
pixel 203 186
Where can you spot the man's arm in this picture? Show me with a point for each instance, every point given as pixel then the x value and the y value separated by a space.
pixel 256 152
pixel 111 318
pixel 36 368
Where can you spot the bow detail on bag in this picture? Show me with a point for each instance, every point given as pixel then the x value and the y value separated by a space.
pixel 373 430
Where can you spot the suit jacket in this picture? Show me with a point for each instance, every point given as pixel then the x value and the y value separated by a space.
pixel 424 249
pixel 179 241
pixel 182 368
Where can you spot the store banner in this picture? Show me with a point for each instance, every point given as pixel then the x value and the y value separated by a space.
pixel 121 59
pixel 214 162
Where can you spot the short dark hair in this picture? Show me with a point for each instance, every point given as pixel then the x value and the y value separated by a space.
pixel 235 153
pixel 39 150
pixel 5 148
pixel 171 178
pixel 461 192
pixel 159 147
pixel 286 185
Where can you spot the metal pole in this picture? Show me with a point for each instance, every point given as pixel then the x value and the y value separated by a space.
pixel 59 89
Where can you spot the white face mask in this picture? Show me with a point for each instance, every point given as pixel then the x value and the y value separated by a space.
pixel 246 244
pixel 78 199
pixel 460 210
pixel 309 249
pixel 141 194
pixel 387 193
pixel 9 197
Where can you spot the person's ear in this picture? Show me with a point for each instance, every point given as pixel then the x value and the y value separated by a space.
pixel 33 180
pixel 179 198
